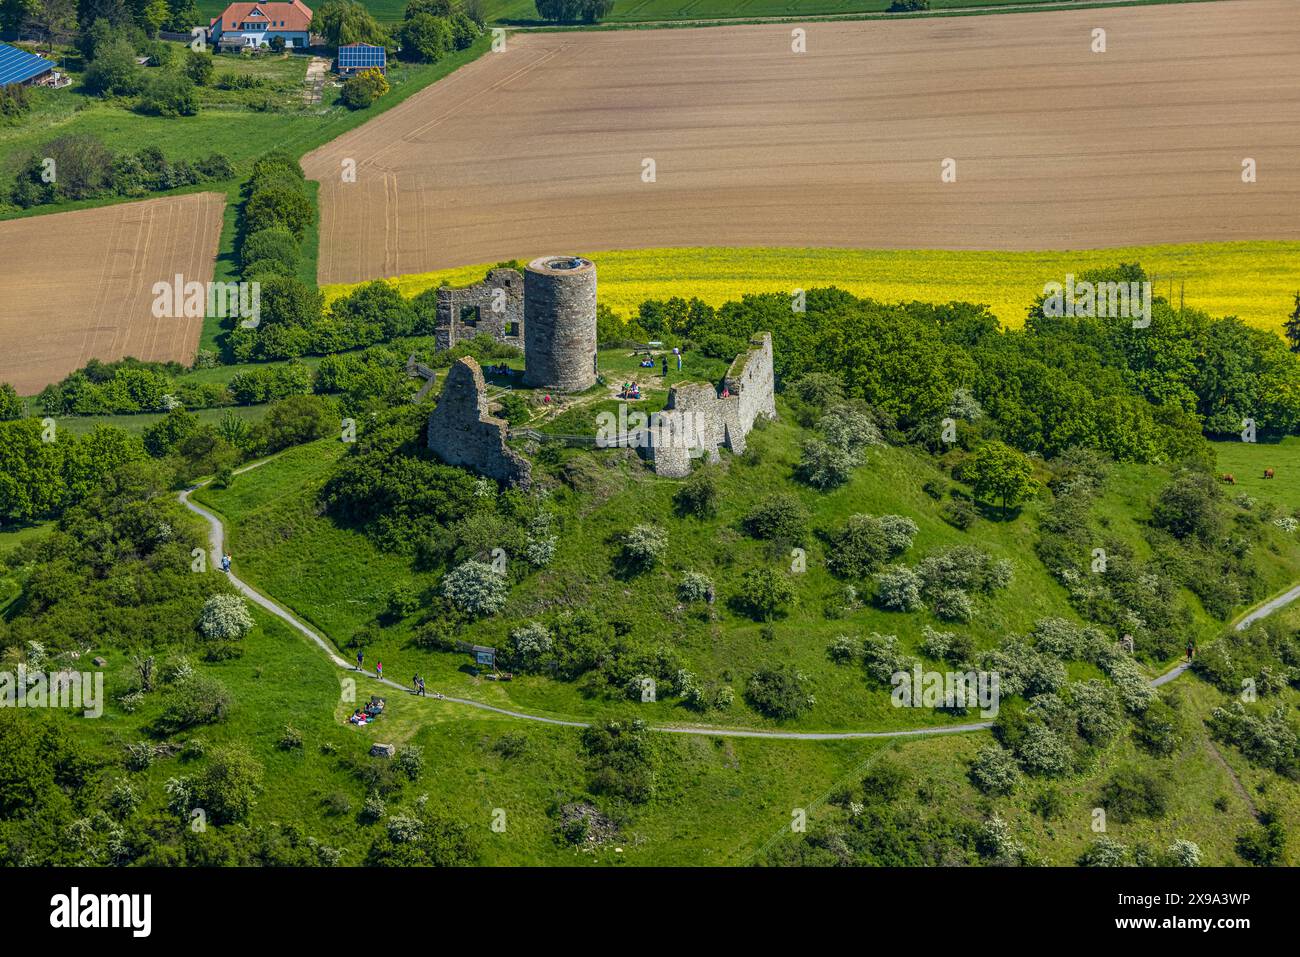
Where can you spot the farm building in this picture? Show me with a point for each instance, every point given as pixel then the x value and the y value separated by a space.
pixel 355 57
pixel 243 25
pixel 19 66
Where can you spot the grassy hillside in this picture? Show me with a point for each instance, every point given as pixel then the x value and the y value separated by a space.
pixel 338 580
pixel 1254 281
pixel 1247 462
pixel 720 800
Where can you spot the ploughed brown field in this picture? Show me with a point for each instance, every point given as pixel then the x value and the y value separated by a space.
pixel 78 286
pixel 539 149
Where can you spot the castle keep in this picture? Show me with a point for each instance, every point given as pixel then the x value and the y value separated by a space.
pixel 560 324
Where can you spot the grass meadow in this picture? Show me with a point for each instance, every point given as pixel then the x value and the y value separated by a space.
pixel 718 801
pixel 337 580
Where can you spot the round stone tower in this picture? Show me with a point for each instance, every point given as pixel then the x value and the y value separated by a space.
pixel 560 324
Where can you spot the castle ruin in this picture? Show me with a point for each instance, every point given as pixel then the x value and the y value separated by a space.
pixel 699 418
pixel 494 307
pixel 557 297
pixel 560 324
pixel 462 431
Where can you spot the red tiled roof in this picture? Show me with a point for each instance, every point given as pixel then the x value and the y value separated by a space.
pixel 296 16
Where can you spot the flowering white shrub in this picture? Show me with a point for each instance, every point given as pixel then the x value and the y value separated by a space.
pixel 882 657
pixel 899 532
pixel 1022 670
pixel 995 771
pixel 898 588
pixel 1106 852
pixel 225 618
pixel 180 796
pixel 952 604
pixel 531 642
pixel 964 567
pixel 124 799
pixel 404 828
pixel 1059 638
pixel 476 587
pixel 1097 711
pixel 1184 854
pixel 1042 752
pixel 965 406
pixel 1129 681
pixel 936 644
pixel 373 810
pixel 539 547
pixel 644 545
pixel 850 429
pixel 695 586
pixel 826 466
pixel 844 649
pixel 178 669
pixel 995 841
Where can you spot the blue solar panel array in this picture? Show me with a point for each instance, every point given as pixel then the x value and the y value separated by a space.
pixel 361 56
pixel 18 66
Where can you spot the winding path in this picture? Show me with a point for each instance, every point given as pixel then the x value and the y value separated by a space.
pixel 216 533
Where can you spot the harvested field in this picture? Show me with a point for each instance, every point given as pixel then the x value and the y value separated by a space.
pixel 540 148
pixel 78 286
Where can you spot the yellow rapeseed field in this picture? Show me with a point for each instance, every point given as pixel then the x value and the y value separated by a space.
pixel 1254 281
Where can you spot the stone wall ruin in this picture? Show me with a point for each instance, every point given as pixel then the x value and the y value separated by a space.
pixel 494 307
pixel 462 432
pixel 699 418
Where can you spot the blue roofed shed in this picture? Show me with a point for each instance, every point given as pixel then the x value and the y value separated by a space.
pixel 19 66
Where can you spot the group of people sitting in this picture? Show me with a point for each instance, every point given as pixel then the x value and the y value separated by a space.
pixel 631 390
pixel 373 709
pixel 500 369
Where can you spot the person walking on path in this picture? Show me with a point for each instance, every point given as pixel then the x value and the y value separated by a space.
pixel 1191 650
pixel 415 684
pixel 665 367
pixel 361 657
pixel 422 694
pixel 379 670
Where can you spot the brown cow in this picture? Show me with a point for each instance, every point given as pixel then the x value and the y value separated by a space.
pixel 1229 478
pixel 1268 473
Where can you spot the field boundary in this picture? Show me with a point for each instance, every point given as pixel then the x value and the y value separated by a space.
pixel 989 10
